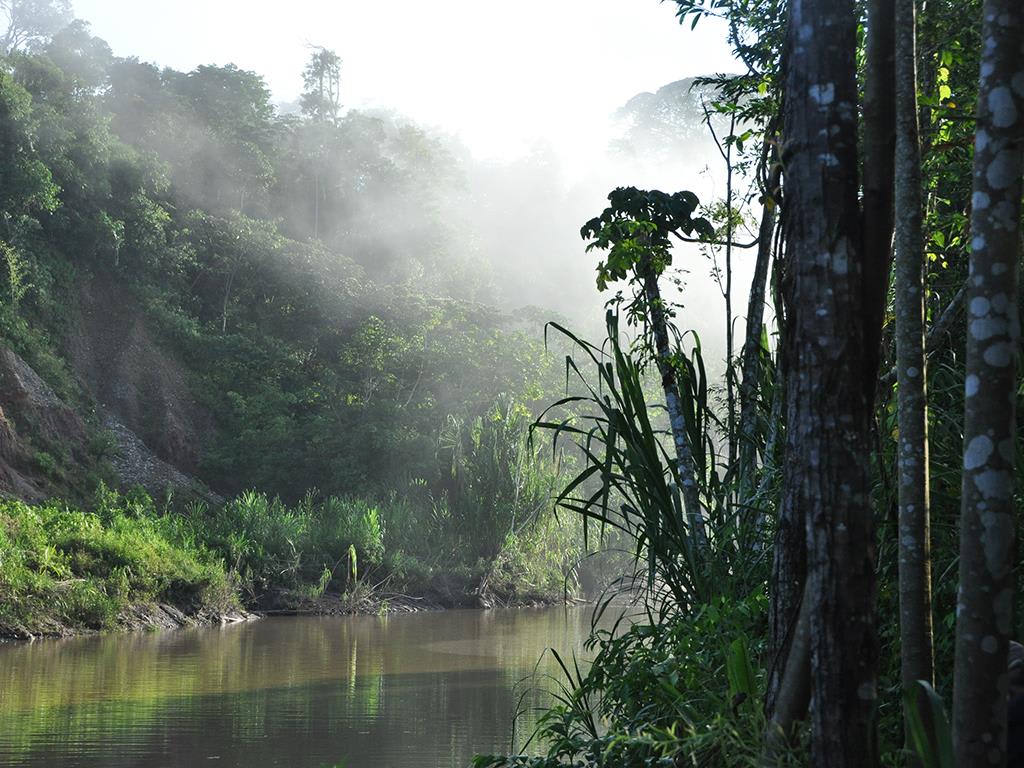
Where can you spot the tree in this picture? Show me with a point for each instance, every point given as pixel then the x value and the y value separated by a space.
pixel 29 21
pixel 234 110
pixel 84 58
pixel 112 231
pixel 769 176
pixel 825 523
pixel 26 184
pixel 321 103
pixel 322 79
pixel 914 539
pixel 987 506
pixel 879 145
pixel 232 101
pixel 636 231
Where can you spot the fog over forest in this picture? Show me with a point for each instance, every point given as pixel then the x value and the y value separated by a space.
pixel 516 206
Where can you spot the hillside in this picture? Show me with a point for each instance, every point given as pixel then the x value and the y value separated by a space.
pixel 204 299
pixel 262 300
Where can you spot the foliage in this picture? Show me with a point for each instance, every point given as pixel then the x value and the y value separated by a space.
pixel 639 225
pixel 626 480
pixel 661 693
pixel 273 546
pixel 930 732
pixel 495 482
pixel 629 482
pixel 188 195
pixel 29 21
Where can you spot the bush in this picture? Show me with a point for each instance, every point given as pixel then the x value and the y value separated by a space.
pixel 664 692
pixel 272 546
pixel 541 563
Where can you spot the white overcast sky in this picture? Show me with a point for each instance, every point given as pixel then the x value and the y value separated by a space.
pixel 501 76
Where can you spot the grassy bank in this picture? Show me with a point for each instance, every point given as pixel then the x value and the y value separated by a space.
pixel 65 570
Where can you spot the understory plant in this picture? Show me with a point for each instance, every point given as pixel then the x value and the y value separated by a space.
pixel 679 678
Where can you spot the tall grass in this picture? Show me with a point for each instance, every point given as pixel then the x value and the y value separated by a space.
pixel 495 483
pixel 271 545
pixel 679 684
pixel 629 481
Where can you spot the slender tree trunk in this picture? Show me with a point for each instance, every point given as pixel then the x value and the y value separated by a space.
pixel 730 343
pixel 751 364
pixel 789 563
pixel 229 281
pixel 879 146
pixel 670 385
pixel 826 487
pixel 985 599
pixel 915 572
pixel 316 205
pixel 794 689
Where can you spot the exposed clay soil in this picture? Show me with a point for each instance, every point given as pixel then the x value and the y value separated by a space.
pixel 32 418
pixel 137 384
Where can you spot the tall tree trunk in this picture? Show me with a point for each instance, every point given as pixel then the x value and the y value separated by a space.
pixel 730 344
pixel 915 572
pixel 316 205
pixel 986 517
pixel 670 386
pixel 879 146
pixel 826 486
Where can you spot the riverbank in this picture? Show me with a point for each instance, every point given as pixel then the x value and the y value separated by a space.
pixel 149 617
pixel 65 572
pixel 127 566
pixel 135 618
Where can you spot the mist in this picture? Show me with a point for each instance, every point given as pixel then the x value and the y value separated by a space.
pixel 519 156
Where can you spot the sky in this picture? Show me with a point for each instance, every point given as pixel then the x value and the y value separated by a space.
pixel 503 77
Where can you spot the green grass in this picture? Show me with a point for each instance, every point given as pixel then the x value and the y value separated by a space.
pixel 272 546
pixel 64 568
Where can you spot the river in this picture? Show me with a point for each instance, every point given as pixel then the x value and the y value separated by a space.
pixel 423 689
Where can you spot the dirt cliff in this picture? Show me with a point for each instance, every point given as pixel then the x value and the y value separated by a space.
pixel 141 424
pixel 40 436
pixel 133 379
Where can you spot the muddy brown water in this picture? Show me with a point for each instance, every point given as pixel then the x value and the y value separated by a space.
pixel 428 690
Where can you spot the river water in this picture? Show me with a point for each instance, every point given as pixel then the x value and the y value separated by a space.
pixel 425 689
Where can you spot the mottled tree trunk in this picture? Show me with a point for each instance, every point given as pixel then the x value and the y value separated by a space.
pixel 670 386
pixel 915 575
pixel 986 518
pixel 828 409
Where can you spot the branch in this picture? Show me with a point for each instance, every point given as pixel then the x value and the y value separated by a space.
pixel 751 244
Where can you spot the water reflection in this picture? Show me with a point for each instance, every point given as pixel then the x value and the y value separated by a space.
pixel 410 690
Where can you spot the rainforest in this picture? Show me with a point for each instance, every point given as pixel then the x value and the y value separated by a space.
pixel 626 383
